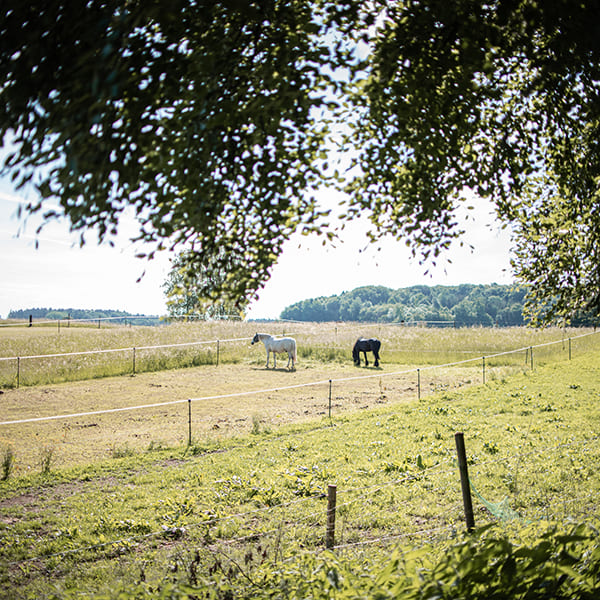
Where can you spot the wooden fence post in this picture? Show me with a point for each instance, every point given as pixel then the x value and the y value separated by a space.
pixel 331 502
pixel 569 348
pixel 531 356
pixel 464 480
pixel 483 366
pixel 133 360
pixel 330 399
pixel 189 421
pixel 418 384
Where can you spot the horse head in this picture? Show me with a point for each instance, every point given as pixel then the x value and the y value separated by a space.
pixel 254 339
pixel 355 353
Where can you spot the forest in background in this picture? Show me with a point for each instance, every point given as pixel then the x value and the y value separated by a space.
pixel 462 305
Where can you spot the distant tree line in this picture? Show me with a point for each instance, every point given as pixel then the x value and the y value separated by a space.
pixel 63 314
pixel 464 305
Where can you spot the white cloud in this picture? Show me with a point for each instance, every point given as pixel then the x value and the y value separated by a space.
pixel 307 269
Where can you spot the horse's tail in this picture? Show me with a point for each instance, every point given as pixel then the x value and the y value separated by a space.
pixel 294 350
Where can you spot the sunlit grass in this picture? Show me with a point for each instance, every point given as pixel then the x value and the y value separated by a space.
pixel 531 439
pixel 129 350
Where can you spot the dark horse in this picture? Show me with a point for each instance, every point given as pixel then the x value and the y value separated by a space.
pixel 364 346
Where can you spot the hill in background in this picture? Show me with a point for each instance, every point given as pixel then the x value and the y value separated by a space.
pixel 462 305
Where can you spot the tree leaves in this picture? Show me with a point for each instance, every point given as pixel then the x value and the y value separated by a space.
pixel 482 96
pixel 217 122
pixel 199 115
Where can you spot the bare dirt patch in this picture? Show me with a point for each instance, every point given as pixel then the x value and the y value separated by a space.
pixel 152 409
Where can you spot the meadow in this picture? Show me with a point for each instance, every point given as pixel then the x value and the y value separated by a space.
pixel 125 504
pixel 47 354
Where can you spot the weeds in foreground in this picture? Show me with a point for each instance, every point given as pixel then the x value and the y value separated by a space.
pixel 258 425
pixel 47 459
pixel 122 452
pixel 8 462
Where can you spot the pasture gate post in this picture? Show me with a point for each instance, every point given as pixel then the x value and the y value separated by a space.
pixel 189 421
pixel 531 356
pixel 464 480
pixel 331 501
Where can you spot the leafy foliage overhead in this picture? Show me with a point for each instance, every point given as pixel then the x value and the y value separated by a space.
pixel 198 115
pixel 502 98
pixel 216 122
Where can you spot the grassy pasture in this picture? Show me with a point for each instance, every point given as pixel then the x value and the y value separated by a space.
pixel 119 503
pixel 222 406
pixel 109 350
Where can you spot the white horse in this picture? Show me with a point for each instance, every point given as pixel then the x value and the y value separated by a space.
pixel 277 345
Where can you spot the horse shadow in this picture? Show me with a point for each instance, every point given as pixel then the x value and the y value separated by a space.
pixel 277 369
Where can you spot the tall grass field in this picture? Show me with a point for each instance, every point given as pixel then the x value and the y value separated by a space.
pixel 222 479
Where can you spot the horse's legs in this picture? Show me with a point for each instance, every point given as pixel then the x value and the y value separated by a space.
pixel 376 354
pixel 267 365
pixel 366 361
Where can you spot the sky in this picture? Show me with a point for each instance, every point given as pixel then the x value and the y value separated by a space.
pixel 57 273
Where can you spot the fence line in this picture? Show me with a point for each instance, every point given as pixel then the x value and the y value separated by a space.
pixel 272 390
pixel 453 506
pixel 127 349
pixel 158 404
pixel 182 344
pixel 83 320
pixel 246 514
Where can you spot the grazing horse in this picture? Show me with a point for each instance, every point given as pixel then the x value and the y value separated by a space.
pixel 277 345
pixel 364 346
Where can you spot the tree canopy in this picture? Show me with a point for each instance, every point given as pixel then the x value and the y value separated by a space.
pixel 460 306
pixel 189 293
pixel 499 97
pixel 216 122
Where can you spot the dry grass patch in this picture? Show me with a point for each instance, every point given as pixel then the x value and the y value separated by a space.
pixel 223 406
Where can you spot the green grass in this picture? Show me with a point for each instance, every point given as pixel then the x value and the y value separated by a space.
pixel 245 517
pixel 110 349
